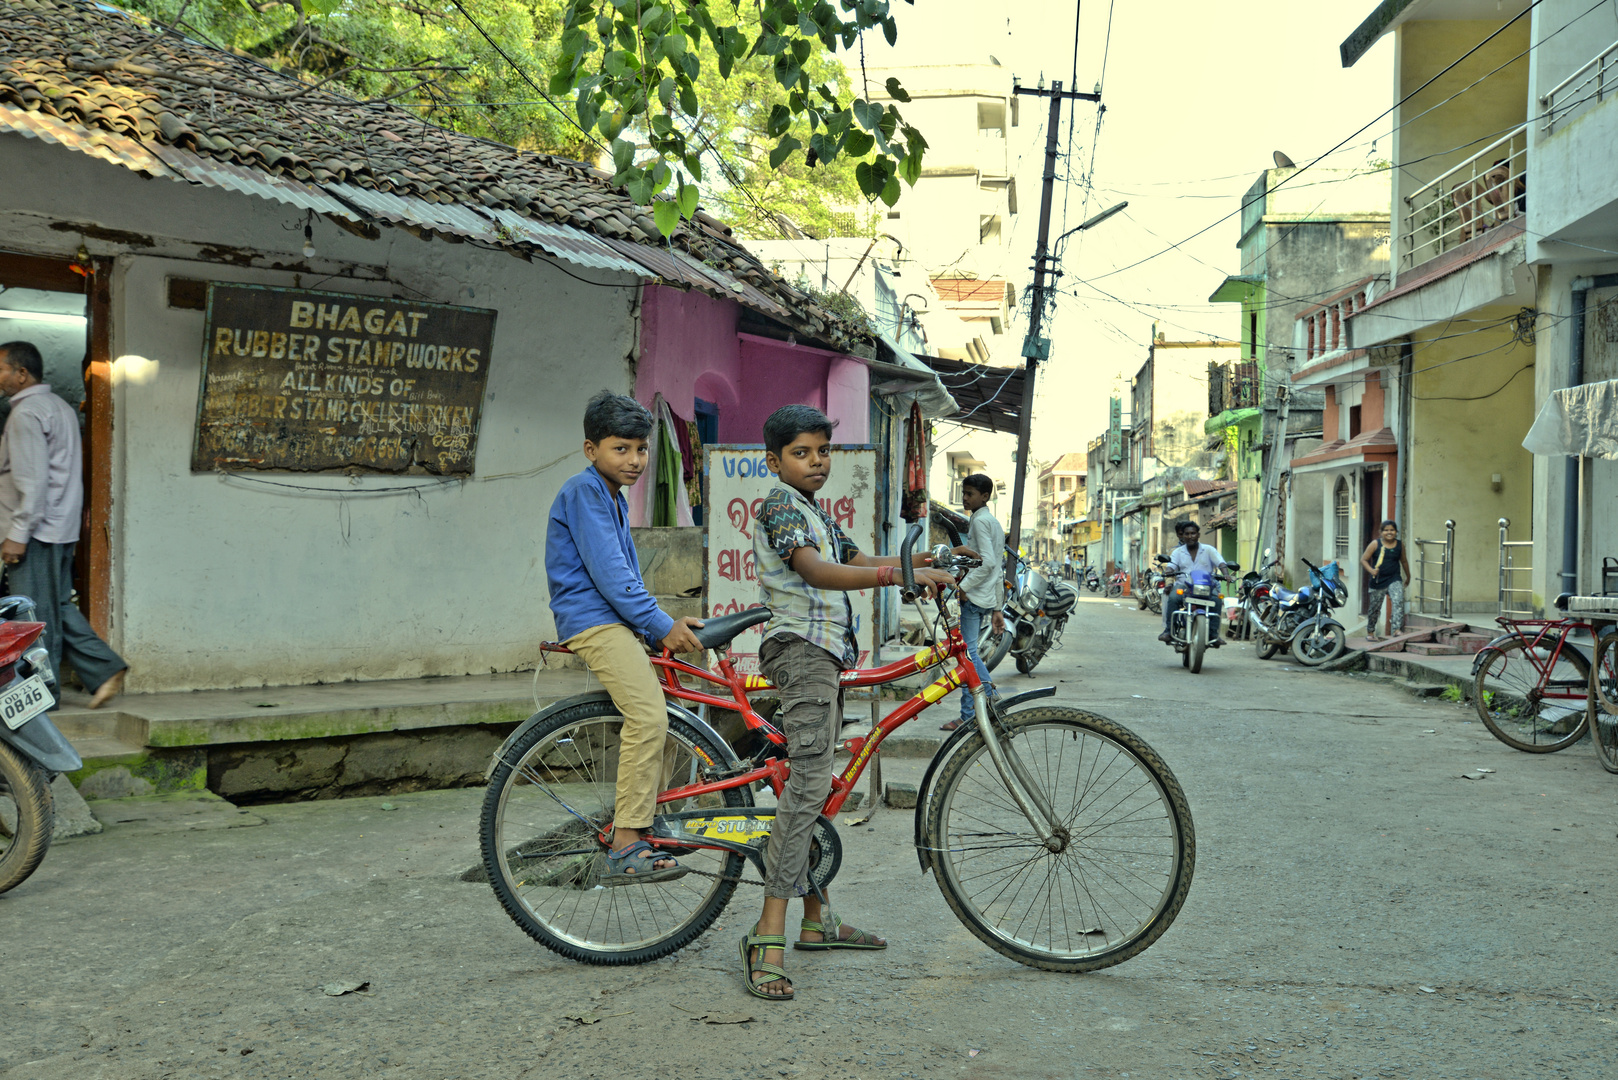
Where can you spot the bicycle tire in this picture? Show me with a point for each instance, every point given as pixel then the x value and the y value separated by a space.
pixel 1506 696
pixel 23 785
pixel 1198 646
pixel 1603 706
pixel 565 767
pixel 1109 787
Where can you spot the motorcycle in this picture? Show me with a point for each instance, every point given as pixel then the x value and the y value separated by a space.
pixel 32 750
pixel 1092 579
pixel 1319 637
pixel 1254 589
pixel 1279 619
pixel 1195 623
pixel 1149 591
pixel 1036 612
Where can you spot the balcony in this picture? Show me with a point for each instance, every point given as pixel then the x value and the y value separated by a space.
pixel 1593 82
pixel 1464 203
pixel 1233 386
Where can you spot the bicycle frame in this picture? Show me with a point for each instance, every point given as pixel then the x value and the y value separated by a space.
pixel 1534 650
pixel 774 770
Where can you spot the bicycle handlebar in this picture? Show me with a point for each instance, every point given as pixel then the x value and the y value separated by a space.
pixel 910 592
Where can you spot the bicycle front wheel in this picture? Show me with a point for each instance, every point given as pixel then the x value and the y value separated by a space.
pixel 1603 710
pixel 1128 848
pixel 550 799
pixel 1529 703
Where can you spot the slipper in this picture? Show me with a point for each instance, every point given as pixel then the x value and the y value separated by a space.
pixel 636 865
pixel 774 972
pixel 858 939
pixel 949 725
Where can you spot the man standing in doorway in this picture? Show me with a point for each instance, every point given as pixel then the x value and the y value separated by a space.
pixel 41 500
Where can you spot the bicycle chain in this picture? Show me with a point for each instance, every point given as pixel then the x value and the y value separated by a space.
pixel 718 877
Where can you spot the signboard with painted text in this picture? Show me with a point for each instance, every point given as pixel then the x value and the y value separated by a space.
pixel 294 379
pixel 737 479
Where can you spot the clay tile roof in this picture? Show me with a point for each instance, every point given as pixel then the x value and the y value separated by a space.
pixel 1193 488
pixel 99 80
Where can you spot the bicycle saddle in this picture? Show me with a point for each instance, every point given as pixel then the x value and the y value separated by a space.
pixel 717 633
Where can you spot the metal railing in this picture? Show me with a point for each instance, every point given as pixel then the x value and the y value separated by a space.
pixel 1594 81
pixel 1509 567
pixel 1481 193
pixel 1444 601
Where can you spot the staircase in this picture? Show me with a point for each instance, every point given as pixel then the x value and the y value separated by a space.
pixel 1429 635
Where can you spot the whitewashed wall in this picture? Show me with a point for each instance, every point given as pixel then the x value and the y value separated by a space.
pixel 223 582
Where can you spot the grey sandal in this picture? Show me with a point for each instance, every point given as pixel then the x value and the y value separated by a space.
pixel 831 936
pixel 637 865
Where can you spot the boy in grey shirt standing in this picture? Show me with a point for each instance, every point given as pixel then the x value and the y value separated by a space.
pixel 983 590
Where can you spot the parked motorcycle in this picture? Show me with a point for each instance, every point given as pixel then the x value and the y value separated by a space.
pixel 1196 622
pixel 32 750
pixel 1092 579
pixel 1319 637
pixel 1036 612
pixel 1149 590
pixel 1253 590
pixel 1301 620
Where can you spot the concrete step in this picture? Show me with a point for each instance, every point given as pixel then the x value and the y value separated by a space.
pixel 1471 643
pixel 1432 648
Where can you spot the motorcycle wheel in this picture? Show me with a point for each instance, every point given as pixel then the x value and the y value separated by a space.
pixel 1198 645
pixel 1114 591
pixel 1140 599
pixel 990 651
pixel 1029 658
pixel 1317 642
pixel 27 817
pixel 1265 646
pixel 1155 603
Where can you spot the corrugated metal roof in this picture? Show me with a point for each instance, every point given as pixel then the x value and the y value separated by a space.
pixel 102 144
pixel 201 170
pixel 566 242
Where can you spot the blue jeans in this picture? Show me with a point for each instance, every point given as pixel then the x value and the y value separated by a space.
pixel 972 620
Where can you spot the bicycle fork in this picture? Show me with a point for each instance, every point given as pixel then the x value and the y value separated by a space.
pixel 1014 774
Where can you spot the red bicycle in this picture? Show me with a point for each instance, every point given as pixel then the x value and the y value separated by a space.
pixel 1532 685
pixel 1058 837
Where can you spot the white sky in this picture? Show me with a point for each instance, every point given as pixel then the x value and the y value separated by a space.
pixel 1197 97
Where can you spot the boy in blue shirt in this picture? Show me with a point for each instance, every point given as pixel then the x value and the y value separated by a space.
pixel 603 613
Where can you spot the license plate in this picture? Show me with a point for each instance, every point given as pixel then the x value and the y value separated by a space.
pixel 24 701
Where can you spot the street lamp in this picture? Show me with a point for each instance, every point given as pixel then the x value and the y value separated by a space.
pixel 1097 220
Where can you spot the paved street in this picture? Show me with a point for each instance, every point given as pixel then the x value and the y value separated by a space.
pixel 1359 910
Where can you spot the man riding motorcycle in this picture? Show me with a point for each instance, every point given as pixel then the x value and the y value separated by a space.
pixel 1191 554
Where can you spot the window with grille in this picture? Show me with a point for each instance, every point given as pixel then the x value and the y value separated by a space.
pixel 1340 514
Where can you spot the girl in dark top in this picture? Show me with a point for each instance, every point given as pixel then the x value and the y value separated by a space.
pixel 1387 572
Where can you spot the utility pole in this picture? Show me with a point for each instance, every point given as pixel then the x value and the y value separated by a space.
pixel 1035 347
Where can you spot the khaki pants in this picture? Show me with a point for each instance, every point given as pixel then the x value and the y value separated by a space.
pixel 615 656
pixel 811 717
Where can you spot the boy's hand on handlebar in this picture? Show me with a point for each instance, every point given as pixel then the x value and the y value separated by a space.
pixel 681 639
pixel 932 581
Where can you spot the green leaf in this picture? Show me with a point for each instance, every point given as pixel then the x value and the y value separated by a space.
pixel 623 154
pixel 910 168
pixel 771 44
pixel 322 7
pixel 693 165
pixel 895 91
pixel 890 191
pixel 825 91
pixel 800 51
pixel 857 143
pixel 562 82
pixel 779 123
pixel 865 175
pixel 639 186
pixel 665 91
pixel 890 30
pixel 688 100
pixel 661 175
pixel 662 125
pixel 807 25
pixel 783 150
pixel 667 216
pixel 588 113
pixel 604 26
pixel 868 114
pixel 673 44
pixel 650 15
pixel 687 199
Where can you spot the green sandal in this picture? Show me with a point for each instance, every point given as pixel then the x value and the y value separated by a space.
pixel 859 939
pixel 754 940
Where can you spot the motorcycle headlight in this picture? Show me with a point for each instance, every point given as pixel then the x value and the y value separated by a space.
pixel 1200 590
pixel 1342 594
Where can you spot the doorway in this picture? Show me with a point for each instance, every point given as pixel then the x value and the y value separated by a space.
pixel 62 307
pixel 1371 515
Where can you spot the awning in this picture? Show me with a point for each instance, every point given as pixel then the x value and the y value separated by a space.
pixel 990 398
pixel 1579 421
pixel 1235 289
pixel 896 371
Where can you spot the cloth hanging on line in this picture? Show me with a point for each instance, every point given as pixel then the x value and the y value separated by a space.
pixel 670 505
pixel 914 507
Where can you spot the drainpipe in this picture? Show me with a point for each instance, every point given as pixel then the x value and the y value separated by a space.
pixel 1580 288
pixel 1407 363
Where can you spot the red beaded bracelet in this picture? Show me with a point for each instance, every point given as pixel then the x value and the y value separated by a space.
pixel 884 575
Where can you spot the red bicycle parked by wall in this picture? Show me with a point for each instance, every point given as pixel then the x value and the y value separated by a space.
pixel 1058 837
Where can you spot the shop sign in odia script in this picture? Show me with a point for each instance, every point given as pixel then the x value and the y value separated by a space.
pixel 737 481
pixel 294 379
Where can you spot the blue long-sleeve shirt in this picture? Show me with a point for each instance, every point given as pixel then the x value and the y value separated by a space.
pixel 591 564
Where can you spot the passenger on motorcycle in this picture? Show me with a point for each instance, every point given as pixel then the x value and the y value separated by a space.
pixel 1190 555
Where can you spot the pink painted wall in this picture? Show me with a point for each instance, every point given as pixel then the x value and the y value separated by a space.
pixel 690 348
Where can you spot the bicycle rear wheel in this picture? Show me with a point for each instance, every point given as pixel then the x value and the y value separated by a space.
pixel 549 799
pixel 1129 852
pixel 1512 700
pixel 1603 711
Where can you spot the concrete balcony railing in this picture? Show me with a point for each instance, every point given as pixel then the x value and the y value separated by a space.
pixel 1593 82
pixel 1481 193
